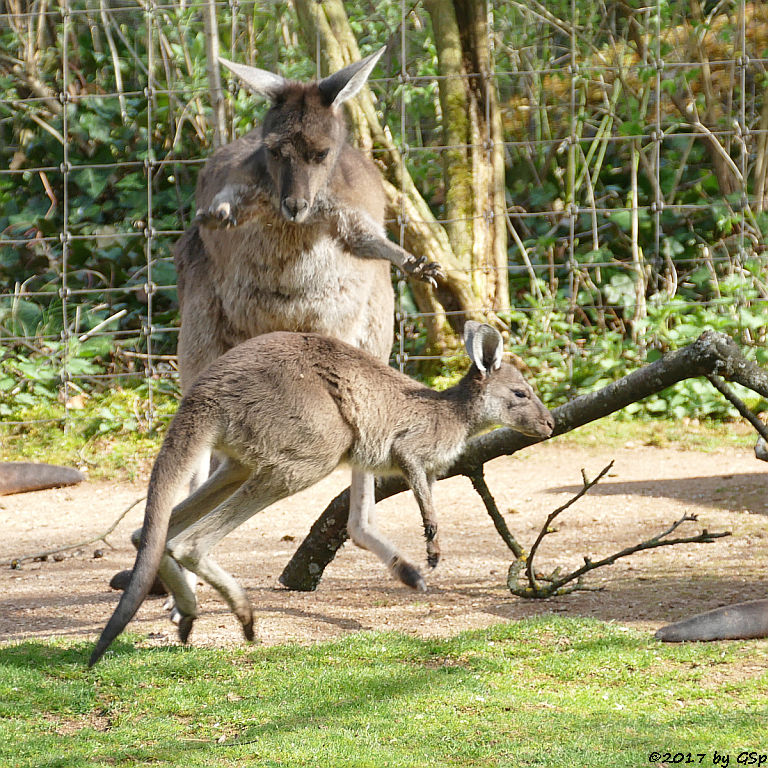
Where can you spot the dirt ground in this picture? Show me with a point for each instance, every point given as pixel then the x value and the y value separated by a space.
pixel 646 491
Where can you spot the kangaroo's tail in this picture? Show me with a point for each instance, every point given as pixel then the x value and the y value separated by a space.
pixel 188 435
pixel 741 621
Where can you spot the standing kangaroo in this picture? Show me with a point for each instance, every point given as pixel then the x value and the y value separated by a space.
pixel 289 234
pixel 290 237
pixel 285 409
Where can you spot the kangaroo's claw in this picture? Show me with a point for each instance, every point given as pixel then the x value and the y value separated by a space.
pixel 425 270
pixel 221 216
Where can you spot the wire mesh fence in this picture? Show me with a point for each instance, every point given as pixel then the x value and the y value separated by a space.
pixel 635 145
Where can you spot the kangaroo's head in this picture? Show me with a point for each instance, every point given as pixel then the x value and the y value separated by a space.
pixel 502 395
pixel 304 130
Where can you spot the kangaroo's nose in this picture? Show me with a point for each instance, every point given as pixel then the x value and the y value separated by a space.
pixel 295 208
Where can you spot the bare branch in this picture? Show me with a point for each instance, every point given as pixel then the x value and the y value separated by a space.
pixel 478 481
pixel 739 405
pixel 551 518
pixel 536 586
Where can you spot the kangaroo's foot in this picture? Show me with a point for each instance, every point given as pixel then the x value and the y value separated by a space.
pixel 120 581
pixel 185 627
pixel 409 574
pixel 433 546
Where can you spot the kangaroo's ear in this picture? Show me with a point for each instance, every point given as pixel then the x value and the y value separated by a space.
pixel 346 83
pixel 261 82
pixel 485 346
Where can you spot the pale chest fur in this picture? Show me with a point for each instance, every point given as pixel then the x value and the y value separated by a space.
pixel 271 275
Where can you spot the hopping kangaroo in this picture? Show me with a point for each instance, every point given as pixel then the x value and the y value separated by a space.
pixel 290 237
pixel 285 409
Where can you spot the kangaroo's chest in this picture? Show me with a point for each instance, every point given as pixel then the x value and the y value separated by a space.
pixel 272 276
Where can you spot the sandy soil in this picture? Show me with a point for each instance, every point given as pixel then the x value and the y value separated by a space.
pixel 646 491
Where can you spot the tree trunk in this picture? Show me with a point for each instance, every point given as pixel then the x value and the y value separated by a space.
pixel 475 203
pixel 214 73
pixel 711 353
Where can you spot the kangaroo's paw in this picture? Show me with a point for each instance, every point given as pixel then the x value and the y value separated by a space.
pixel 221 215
pixel 429 271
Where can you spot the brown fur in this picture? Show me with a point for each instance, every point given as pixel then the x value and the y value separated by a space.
pixel 290 236
pixel 290 231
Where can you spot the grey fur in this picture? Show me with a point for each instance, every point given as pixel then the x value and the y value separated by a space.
pixel 285 409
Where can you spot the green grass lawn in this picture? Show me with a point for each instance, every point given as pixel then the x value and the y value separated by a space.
pixel 547 692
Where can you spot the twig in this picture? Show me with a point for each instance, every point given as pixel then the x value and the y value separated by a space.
pixel 479 484
pixel 555 584
pixel 551 517
pixel 14 563
pixel 96 328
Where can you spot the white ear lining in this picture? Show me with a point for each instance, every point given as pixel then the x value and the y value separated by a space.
pixel 258 80
pixel 484 345
pixel 477 347
pixel 348 82
pixel 359 79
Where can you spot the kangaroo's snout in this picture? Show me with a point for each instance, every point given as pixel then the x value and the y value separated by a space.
pixel 295 209
pixel 537 426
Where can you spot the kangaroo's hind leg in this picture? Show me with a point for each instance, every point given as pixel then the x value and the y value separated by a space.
pixel 227 478
pixel 362 530
pixel 191 545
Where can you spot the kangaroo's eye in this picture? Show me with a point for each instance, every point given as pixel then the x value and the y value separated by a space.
pixel 274 152
pixel 519 393
pixel 318 157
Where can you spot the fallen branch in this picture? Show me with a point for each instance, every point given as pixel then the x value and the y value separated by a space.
pixel 530 585
pixel 17 561
pixel 712 353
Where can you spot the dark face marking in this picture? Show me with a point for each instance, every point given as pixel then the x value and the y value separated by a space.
pixel 303 138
